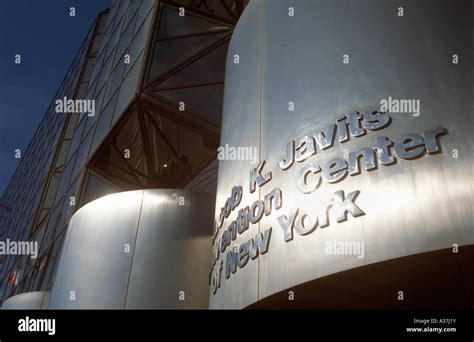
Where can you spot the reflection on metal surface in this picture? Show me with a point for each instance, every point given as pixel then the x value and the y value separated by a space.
pixel 368 156
pixel 28 301
pixel 334 169
pixel 303 184
pixel 256 177
pixel 140 249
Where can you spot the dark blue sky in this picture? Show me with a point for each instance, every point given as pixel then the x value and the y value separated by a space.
pixel 47 39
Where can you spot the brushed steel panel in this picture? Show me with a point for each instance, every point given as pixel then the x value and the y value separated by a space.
pixel 137 250
pixel 411 207
pixel 94 263
pixel 37 300
pixel 172 251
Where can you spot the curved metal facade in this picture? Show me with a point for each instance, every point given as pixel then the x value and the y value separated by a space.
pixel 145 249
pixel 290 77
pixel 37 300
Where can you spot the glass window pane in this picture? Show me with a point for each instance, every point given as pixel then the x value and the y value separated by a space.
pixel 98 65
pixel 134 5
pixel 53 262
pixel 103 124
pixel 205 101
pixel 51 192
pixel 125 41
pixel 53 220
pixel 77 138
pixel 172 24
pixel 63 153
pixel 145 8
pixel 104 74
pixel 139 41
pixel 208 69
pixel 99 100
pixel 169 53
pixel 114 40
pixel 65 179
pixel 66 210
pixel 114 81
pixel 128 89
pixel 82 154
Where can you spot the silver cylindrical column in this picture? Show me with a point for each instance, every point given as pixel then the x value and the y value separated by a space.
pixel 37 300
pixel 146 249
